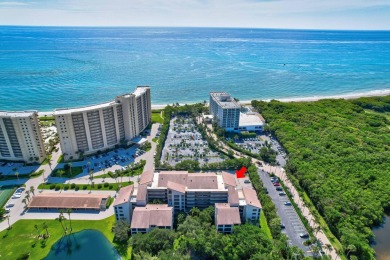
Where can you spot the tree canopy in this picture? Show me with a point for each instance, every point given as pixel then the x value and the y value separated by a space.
pixel 339 151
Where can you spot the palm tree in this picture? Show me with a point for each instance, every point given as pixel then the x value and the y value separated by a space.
pixel 329 248
pixel 32 190
pixel 36 228
pixel 25 202
pixel 49 162
pixel 351 249
pixel 61 218
pixel 91 175
pixel 7 217
pixel 70 221
pixel 17 176
pixel 45 226
pixel 28 195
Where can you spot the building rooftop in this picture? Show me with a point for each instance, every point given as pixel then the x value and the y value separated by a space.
pixel 64 201
pixel 124 195
pixel 250 119
pixel 233 196
pixel 224 100
pixel 159 215
pixel 142 193
pixel 146 177
pixel 251 197
pixel 176 187
pixel 26 113
pixel 226 215
pixel 192 181
pixel 140 90
pixel 229 179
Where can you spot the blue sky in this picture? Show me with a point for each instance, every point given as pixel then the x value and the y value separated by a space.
pixel 305 14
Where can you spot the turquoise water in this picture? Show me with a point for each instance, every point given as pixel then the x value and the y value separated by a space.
pixel 51 67
pixel 86 244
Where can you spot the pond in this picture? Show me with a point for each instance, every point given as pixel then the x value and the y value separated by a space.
pixel 382 240
pixel 86 244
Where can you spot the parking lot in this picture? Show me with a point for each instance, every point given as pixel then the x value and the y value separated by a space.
pixel 293 226
pixel 184 142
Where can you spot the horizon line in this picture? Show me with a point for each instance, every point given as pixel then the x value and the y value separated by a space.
pixel 195 27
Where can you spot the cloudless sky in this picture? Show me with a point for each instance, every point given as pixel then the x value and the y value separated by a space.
pixel 305 14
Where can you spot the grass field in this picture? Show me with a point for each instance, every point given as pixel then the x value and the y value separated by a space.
pixel 67 173
pixel 5 194
pixel 22 238
pixel 156 117
pixel 264 225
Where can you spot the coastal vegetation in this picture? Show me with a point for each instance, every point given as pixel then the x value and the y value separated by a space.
pixel 33 239
pixel 339 154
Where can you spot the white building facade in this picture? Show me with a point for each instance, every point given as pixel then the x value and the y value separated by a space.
pixel 225 110
pixel 20 137
pixel 87 130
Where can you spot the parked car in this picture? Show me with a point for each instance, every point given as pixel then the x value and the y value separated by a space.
pixel 282 226
pixel 287 203
pixel 276 184
pixel 304 235
pixel 279 188
pixel 282 194
pixel 10 205
pixel 247 181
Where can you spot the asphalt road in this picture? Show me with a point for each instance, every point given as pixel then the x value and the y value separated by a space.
pixel 287 214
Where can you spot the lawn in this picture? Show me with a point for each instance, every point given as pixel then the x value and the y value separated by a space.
pixel 21 238
pixel 21 176
pixel 156 117
pixel 100 186
pixel 5 194
pixel 264 225
pixel 67 173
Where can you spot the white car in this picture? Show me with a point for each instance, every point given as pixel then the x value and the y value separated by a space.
pixel 16 196
pixel 10 205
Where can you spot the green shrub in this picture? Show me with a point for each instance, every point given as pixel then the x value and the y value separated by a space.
pixel 57 187
pixel 66 187
pixel 106 184
pixel 73 185
pixel 85 187
pixel 52 186
pixel 77 188
pixel 111 187
pixel 100 186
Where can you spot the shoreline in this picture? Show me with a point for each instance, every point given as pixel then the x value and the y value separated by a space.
pixel 372 93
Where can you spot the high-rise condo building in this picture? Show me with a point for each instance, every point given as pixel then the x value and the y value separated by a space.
pixel 226 110
pixel 20 137
pixel 89 129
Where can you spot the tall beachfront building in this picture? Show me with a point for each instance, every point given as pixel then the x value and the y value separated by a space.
pixel 89 129
pixel 20 137
pixel 226 110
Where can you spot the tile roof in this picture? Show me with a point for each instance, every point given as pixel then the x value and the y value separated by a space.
pixel 141 193
pixel 124 195
pixel 233 196
pixel 159 215
pixel 176 187
pixel 251 197
pixel 179 177
pixel 146 177
pixel 190 180
pixel 226 215
pixel 229 179
pixel 64 201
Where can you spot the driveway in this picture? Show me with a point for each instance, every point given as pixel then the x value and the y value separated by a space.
pixel 287 214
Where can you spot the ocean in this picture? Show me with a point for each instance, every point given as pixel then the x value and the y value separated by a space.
pixel 44 68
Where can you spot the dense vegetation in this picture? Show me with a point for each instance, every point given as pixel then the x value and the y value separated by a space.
pixel 196 237
pixel 339 151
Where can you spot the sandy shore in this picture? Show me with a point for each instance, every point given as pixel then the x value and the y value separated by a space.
pixel 373 93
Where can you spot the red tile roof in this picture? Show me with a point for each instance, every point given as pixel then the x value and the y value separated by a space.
pixel 159 215
pixel 229 179
pixel 146 177
pixel 233 196
pixel 64 201
pixel 176 187
pixel 251 197
pixel 226 215
pixel 124 195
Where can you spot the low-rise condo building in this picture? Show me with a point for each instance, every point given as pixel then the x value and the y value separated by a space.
pixel 86 130
pixel 180 191
pixel 20 137
pixel 225 110
pixel 151 216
